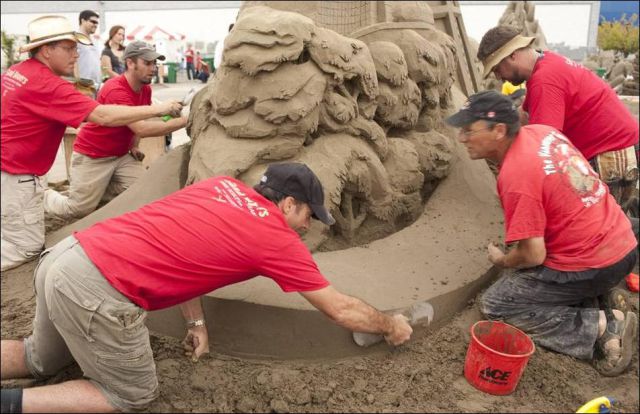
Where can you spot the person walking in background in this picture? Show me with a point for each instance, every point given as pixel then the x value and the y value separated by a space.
pixel 112 62
pixel 88 65
pixel 37 105
pixel 190 56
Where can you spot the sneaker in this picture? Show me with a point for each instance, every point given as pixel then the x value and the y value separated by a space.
pixel 614 349
pixel 617 298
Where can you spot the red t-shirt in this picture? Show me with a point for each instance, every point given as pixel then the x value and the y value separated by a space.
pixel 189 55
pixel 208 235
pixel 37 106
pixel 569 97
pixel 97 141
pixel 548 189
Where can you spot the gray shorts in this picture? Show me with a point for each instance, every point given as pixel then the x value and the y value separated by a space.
pixel 81 317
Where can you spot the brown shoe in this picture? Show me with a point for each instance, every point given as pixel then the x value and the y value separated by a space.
pixel 612 358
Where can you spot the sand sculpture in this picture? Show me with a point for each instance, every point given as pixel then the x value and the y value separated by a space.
pixel 358 90
pixel 621 73
pixel 365 114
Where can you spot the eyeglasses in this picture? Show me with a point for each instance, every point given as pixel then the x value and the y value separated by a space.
pixel 94 21
pixel 68 49
pixel 469 133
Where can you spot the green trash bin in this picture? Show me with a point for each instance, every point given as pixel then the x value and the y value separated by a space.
pixel 600 72
pixel 209 61
pixel 172 72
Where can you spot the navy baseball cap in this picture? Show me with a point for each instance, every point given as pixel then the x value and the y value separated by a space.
pixel 298 181
pixel 488 105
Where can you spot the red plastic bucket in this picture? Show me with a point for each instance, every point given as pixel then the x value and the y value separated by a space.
pixel 497 355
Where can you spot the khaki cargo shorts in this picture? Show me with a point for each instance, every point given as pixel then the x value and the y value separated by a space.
pixel 81 317
pixel 619 170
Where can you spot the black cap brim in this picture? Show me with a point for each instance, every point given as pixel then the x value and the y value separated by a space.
pixel 321 213
pixel 461 119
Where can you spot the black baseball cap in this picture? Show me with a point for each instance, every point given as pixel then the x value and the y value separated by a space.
pixel 298 181
pixel 488 105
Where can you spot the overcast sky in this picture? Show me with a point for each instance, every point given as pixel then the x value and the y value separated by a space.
pixel 209 25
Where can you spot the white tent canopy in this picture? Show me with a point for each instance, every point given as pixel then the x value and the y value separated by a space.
pixel 166 42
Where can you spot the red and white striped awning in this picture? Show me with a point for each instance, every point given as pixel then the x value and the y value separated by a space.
pixel 152 33
pixel 146 33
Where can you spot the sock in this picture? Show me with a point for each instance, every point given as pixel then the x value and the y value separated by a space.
pixel 11 400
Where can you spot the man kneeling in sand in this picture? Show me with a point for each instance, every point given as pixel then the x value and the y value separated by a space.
pixel 572 240
pixel 107 160
pixel 93 288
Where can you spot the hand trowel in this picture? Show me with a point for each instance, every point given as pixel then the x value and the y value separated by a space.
pixel 418 313
pixel 185 101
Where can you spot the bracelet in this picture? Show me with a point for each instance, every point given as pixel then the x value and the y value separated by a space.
pixel 194 323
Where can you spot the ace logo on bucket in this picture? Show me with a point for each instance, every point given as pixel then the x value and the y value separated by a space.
pixel 495 376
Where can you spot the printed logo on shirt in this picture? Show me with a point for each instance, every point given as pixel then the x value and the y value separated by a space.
pixel 228 192
pixel 13 79
pixel 560 157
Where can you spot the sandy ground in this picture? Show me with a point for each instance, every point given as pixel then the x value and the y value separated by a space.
pixel 424 376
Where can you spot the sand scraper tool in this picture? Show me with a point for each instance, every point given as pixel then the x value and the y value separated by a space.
pixel 185 101
pixel 418 314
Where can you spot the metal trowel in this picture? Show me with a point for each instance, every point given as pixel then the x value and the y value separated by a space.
pixel 185 101
pixel 418 313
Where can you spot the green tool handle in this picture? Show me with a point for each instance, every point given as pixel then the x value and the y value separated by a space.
pixel 165 118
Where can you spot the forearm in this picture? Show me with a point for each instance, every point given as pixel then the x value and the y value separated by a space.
pixel 154 128
pixel 359 316
pixel 192 309
pixel 119 115
pixel 518 258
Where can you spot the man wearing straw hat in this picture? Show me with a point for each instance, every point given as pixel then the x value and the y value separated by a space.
pixel 572 242
pixel 37 106
pixel 573 100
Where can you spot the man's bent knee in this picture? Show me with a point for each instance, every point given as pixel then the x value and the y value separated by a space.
pixel 130 397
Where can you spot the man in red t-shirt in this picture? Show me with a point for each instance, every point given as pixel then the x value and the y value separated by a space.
pixel 189 56
pixel 37 106
pixel 572 99
pixel 93 289
pixel 106 160
pixel 572 240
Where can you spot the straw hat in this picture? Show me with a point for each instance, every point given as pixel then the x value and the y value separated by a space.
pixel 47 29
pixel 508 48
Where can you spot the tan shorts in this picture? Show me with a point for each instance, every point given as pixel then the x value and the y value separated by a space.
pixel 81 317
pixel 22 230
pixel 619 170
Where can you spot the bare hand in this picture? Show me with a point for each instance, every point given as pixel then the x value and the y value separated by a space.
pixel 137 154
pixel 401 331
pixel 172 108
pixel 495 254
pixel 196 343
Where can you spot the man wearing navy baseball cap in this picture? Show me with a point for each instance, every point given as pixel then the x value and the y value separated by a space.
pixel 210 234
pixel 571 241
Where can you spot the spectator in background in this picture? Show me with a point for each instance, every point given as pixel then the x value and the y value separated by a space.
pixel 198 64
pixel 88 64
pixel 203 75
pixel 112 63
pixel 190 55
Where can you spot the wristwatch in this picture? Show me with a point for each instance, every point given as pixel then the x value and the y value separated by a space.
pixel 194 323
